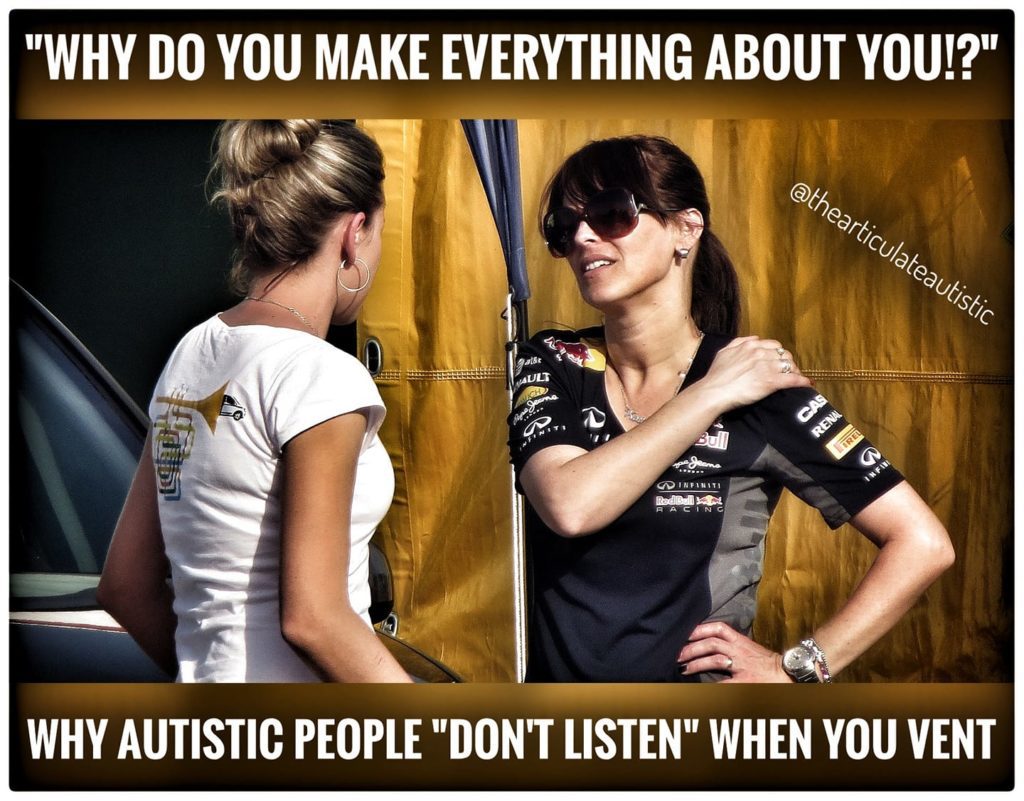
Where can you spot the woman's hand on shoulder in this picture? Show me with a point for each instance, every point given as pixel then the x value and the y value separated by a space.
pixel 717 646
pixel 749 369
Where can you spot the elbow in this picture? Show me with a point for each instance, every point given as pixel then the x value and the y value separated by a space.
pixel 300 629
pixel 567 522
pixel 936 551
pixel 308 626
pixel 111 596
pixel 945 555
pixel 105 597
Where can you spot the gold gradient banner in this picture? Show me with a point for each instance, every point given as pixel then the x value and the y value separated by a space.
pixel 531 737
pixel 139 65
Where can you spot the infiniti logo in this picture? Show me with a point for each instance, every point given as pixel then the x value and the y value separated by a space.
pixel 536 425
pixel 870 456
pixel 593 419
pixel 666 485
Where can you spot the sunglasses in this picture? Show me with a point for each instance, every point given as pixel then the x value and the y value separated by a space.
pixel 610 214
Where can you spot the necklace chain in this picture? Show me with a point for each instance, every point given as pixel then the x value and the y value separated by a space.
pixel 292 309
pixel 631 413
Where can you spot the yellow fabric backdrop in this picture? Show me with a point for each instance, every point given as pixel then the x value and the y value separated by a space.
pixel 926 382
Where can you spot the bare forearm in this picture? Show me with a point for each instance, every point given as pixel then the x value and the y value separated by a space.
pixel 149 619
pixel 133 587
pixel 914 551
pixel 578 492
pixel 346 650
pixel 586 493
pixel 902 571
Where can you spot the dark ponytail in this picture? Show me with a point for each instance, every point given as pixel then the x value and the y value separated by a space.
pixel 661 176
pixel 716 292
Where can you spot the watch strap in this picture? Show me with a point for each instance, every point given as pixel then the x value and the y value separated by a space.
pixel 819 657
pixel 803 672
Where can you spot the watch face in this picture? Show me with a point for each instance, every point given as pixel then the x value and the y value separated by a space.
pixel 798 657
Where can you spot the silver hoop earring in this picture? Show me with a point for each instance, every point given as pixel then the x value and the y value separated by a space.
pixel 355 263
pixel 682 253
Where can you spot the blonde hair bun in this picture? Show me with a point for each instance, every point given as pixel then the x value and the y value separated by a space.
pixel 285 181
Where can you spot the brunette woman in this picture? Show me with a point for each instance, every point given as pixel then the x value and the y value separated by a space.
pixel 653 449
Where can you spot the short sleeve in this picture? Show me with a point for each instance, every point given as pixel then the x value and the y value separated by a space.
pixel 820 456
pixel 316 383
pixel 546 401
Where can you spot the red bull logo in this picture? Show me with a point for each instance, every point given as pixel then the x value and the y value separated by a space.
pixel 578 353
pixel 708 500
pixel 719 440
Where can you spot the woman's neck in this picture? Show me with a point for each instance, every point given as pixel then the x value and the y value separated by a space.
pixel 299 298
pixel 650 337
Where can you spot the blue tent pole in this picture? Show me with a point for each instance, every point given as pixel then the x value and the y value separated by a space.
pixel 495 148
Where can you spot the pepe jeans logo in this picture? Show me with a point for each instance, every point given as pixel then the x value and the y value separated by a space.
pixel 695 466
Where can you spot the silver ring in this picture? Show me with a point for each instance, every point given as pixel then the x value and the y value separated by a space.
pixel 786 365
pixel 728 664
pixel 781 352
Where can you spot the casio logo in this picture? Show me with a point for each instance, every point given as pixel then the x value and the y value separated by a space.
pixel 811 409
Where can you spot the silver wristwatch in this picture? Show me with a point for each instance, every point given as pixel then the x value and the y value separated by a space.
pixel 800 660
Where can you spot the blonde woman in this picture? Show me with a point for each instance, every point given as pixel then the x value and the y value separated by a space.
pixel 262 478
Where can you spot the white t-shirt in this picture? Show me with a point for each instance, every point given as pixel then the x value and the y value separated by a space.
pixel 227 402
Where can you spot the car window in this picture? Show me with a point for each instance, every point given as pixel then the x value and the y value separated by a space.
pixel 73 454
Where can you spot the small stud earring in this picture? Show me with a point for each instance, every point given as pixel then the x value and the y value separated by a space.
pixel 682 253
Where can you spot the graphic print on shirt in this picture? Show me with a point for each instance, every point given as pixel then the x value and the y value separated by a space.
pixel 593 421
pixel 688 496
pixel 582 353
pixel 715 439
pixel 174 433
pixel 873 460
pixel 523 362
pixel 529 403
